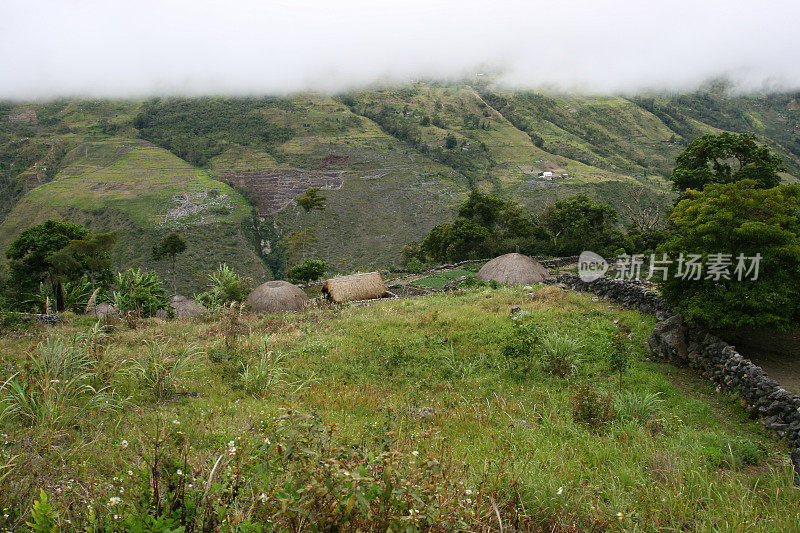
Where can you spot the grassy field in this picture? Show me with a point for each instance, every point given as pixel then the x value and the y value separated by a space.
pixel 439 413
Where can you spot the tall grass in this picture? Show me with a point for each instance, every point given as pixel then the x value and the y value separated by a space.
pixel 163 373
pixel 58 391
pixel 560 353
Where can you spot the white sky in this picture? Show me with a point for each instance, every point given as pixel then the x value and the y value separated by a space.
pixel 140 47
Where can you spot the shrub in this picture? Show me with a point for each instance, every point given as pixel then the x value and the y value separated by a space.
pixel 224 288
pixel 559 353
pixel 310 270
pixel 522 347
pixel 139 293
pixel 415 266
pixel 619 354
pixel 592 408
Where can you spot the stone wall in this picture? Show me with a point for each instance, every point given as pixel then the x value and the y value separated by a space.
pixel 675 341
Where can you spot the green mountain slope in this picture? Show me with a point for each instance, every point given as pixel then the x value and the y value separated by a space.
pixel 393 163
pixel 142 192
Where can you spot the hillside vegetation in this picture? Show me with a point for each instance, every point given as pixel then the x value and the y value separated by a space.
pixel 441 413
pixel 395 161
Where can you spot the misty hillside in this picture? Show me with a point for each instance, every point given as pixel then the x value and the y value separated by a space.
pixel 392 162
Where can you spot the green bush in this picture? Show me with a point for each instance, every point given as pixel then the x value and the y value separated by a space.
pixel 522 348
pixel 224 287
pixel 310 270
pixel 560 353
pixel 637 407
pixel 740 220
pixel 415 266
pixel 140 293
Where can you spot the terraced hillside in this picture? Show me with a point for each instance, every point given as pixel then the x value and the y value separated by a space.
pixel 142 192
pixel 392 162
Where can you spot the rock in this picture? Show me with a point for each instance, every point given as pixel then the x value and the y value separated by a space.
pixel 186 307
pixel 516 310
pixel 104 310
pixel 668 340
pixel 531 295
pixel 795 456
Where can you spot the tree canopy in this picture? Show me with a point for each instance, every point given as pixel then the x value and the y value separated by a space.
pixel 312 199
pixel 726 158
pixel 737 220
pixel 53 253
pixel 579 223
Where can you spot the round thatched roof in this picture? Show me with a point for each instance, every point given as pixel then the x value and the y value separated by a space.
pixel 277 296
pixel 513 269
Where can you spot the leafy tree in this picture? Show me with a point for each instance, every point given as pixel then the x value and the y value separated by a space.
pixel 52 253
pixel 486 225
pixel 468 240
pixel 450 142
pixel 310 270
pixel 298 242
pixel 311 199
pixel 579 223
pixel 171 246
pixel 726 158
pixel 737 218
pixel 436 242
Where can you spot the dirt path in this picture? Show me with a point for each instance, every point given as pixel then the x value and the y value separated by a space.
pixel 783 368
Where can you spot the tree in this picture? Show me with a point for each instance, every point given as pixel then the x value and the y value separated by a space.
pixel 579 223
pixel 310 270
pixel 34 258
pixel 311 199
pixel 298 242
pixel 737 219
pixel 171 246
pixel 726 158
pixel 450 141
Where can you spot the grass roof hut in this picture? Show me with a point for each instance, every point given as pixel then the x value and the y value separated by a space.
pixel 277 296
pixel 354 287
pixel 513 269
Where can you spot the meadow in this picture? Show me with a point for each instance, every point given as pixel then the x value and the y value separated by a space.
pixel 439 413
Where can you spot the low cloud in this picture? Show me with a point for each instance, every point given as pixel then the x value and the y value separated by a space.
pixel 107 48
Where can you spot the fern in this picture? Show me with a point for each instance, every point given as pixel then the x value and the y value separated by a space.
pixel 43 516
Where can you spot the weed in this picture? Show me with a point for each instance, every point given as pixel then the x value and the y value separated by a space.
pixel 58 391
pixel 560 353
pixel 592 408
pixel 163 373
pixel 638 407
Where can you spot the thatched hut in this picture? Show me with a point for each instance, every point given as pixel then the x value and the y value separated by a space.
pixel 277 296
pixel 184 307
pixel 354 287
pixel 513 269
